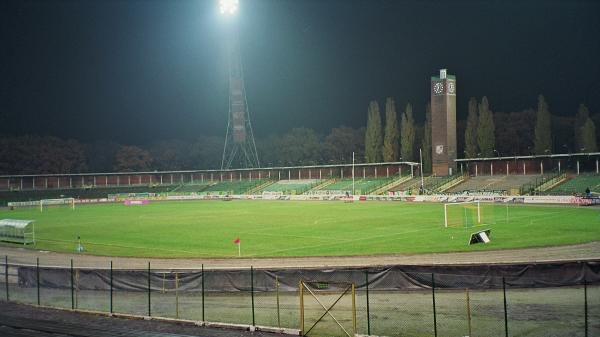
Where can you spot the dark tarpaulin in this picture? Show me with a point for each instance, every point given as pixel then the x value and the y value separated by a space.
pixel 380 278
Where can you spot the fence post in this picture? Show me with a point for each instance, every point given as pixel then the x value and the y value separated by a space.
pixel 368 311
pixel 277 292
pixel 72 289
pixel 111 287
pixel 433 298
pixel 468 312
pixel 505 312
pixel 6 276
pixel 203 293
pixel 177 295
pixel 585 305
pixel 37 269
pixel 252 292
pixel 149 300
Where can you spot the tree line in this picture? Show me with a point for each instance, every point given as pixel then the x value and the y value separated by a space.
pixel 398 136
pixel 486 134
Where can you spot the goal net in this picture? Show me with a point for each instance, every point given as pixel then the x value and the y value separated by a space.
pixel 474 213
pixel 61 202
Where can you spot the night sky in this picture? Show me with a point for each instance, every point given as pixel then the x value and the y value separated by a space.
pixel 137 71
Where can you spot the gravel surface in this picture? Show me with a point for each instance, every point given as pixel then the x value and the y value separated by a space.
pixel 138 327
pixel 587 251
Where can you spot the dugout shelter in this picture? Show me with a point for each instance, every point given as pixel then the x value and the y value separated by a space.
pixel 19 231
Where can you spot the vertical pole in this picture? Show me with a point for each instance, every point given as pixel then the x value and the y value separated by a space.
pixel 433 300
pixel 72 288
pixel 300 285
pixel 468 312
pixel 354 309
pixel 6 276
pixel 277 292
pixel 177 295
pixel 585 306
pixel 353 190
pixel 37 269
pixel 203 292
pixel 149 299
pixel 505 312
pixel 111 287
pixel 252 292
pixel 368 311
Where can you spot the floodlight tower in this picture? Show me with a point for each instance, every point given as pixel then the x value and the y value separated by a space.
pixel 240 147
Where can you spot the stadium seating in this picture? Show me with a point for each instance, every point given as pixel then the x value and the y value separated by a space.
pixel 292 186
pixel 361 186
pixel 578 185
pixel 231 187
pixel 413 185
pixel 495 184
pixel 88 193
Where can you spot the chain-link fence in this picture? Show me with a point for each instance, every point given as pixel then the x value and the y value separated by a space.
pixel 555 300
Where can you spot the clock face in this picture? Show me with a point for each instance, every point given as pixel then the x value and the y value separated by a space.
pixel 439 149
pixel 451 87
pixel 438 88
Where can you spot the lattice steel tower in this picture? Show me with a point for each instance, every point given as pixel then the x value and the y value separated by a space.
pixel 240 148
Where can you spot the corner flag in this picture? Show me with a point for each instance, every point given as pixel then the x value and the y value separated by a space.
pixel 239 244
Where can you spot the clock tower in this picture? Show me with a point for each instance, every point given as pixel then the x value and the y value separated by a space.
pixel 443 124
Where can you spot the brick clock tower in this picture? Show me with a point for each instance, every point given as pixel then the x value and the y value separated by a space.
pixel 443 124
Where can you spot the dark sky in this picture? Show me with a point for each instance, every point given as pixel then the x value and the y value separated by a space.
pixel 134 71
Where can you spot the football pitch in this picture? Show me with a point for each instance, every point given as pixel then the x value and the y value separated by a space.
pixel 299 228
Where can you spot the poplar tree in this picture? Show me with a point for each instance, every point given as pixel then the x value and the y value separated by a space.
pixel 583 114
pixel 588 136
pixel 390 141
pixel 471 130
pixel 543 141
pixel 426 140
pixel 407 134
pixel 373 136
pixel 486 138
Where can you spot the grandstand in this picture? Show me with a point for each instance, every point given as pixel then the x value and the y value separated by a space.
pixel 291 186
pixel 578 185
pixel 232 187
pixel 413 185
pixel 78 193
pixel 361 186
pixel 502 184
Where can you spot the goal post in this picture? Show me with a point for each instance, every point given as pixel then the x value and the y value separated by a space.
pixel 462 214
pixel 70 202
pixel 475 213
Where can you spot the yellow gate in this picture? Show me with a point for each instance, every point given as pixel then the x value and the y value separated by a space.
pixel 322 297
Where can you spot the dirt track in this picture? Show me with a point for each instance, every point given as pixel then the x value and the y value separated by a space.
pixel 588 251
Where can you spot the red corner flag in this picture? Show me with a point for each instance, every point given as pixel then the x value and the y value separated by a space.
pixel 237 241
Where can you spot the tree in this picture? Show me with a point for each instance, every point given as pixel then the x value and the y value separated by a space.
pixel 407 134
pixel 170 155
pixel 583 114
pixel 390 141
pixel 543 139
pixel 132 158
pixel 486 139
pixel 373 136
pixel 588 136
pixel 426 140
pixel 341 142
pixel 471 130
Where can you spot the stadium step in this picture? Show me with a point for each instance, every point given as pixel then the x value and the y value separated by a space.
pixel 392 184
pixel 552 183
pixel 260 187
pixel 321 185
pixel 450 183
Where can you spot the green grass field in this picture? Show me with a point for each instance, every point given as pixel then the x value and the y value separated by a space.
pixel 286 228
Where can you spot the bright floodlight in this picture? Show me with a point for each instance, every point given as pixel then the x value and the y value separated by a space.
pixel 228 7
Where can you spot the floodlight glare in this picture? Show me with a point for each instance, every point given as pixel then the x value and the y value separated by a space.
pixel 228 7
